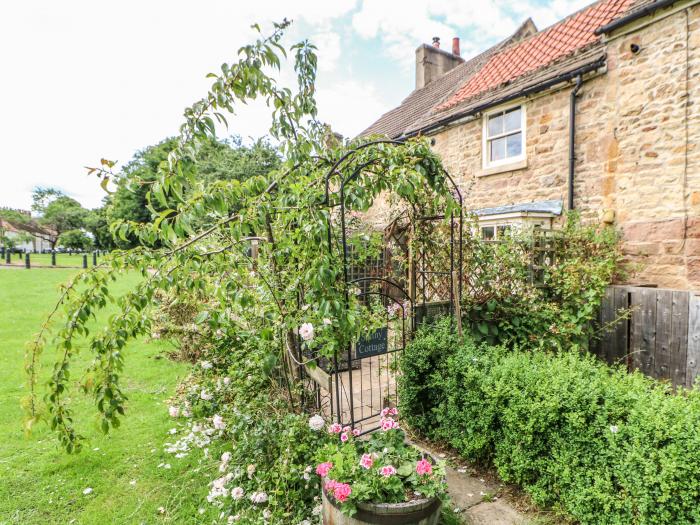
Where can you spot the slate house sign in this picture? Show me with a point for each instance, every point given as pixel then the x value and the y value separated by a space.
pixel 376 343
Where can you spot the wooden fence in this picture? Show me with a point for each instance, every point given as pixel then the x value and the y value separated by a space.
pixel 653 330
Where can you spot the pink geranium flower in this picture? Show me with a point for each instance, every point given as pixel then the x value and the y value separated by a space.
pixel 355 432
pixel 342 491
pixel 392 411
pixel 344 437
pixel 323 469
pixel 387 471
pixel 335 428
pixel 424 468
pixel 330 485
pixel 389 424
pixel 366 461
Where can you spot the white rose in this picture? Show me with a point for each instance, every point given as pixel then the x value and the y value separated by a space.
pixel 316 422
pixel 258 497
pixel 218 422
pixel 306 331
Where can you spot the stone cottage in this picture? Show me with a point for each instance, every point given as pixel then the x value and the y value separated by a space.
pixel 599 112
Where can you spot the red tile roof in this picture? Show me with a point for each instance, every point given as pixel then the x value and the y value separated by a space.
pixel 543 48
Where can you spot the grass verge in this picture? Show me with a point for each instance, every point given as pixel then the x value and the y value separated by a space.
pixel 40 483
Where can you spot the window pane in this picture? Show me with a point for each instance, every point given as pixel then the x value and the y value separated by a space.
pixel 512 119
pixel 495 124
pixel 487 233
pixel 502 231
pixel 498 149
pixel 514 145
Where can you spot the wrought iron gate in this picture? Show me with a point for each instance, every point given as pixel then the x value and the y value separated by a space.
pixel 355 385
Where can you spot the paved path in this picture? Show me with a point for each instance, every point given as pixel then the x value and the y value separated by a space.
pixel 480 501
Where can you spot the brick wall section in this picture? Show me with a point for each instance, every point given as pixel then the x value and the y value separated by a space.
pixel 632 156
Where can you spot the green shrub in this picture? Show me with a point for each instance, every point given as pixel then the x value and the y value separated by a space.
pixel 423 367
pixel 599 444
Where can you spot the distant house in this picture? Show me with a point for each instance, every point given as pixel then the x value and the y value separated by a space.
pixel 599 112
pixel 25 235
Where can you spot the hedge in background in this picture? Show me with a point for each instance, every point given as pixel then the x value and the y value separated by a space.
pixel 599 444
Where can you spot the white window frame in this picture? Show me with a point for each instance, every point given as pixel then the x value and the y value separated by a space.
pixel 485 138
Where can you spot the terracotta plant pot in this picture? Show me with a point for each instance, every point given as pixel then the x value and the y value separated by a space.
pixel 417 512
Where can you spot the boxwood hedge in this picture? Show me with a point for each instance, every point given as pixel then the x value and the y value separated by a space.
pixel 599 444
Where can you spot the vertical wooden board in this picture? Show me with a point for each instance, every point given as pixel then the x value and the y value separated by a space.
pixel 662 347
pixel 679 337
pixel 693 339
pixel 648 330
pixel 636 328
pixel 608 316
pixel 621 329
pixel 644 329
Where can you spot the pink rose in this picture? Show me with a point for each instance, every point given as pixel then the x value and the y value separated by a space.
pixel 366 461
pixel 387 471
pixel 335 428
pixel 424 468
pixel 323 469
pixel 344 437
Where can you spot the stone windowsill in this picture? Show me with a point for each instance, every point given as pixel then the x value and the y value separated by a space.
pixel 502 168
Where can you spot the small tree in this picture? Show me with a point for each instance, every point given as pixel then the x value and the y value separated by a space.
pixel 75 240
pixel 197 244
pixel 58 212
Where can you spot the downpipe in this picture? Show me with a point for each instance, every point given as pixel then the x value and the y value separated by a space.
pixel 572 138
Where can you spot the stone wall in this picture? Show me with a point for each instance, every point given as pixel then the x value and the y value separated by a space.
pixel 637 153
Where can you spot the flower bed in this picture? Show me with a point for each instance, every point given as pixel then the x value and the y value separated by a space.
pixel 383 469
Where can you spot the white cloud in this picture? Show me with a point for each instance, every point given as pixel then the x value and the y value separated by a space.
pixel 349 106
pixel 329 50
pixel 402 26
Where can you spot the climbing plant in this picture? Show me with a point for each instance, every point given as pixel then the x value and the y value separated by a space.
pixel 260 250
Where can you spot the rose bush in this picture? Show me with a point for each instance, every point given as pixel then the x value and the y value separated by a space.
pixel 381 469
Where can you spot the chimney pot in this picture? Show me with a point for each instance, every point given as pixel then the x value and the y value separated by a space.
pixel 455 46
pixel 436 41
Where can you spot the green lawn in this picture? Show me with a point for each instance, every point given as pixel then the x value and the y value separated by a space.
pixel 44 259
pixel 39 483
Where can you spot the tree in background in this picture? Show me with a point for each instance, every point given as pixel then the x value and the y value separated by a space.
pixel 218 160
pixel 232 160
pixel 75 240
pixel 97 223
pixel 57 211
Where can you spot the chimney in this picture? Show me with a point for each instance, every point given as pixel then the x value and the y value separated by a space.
pixel 433 62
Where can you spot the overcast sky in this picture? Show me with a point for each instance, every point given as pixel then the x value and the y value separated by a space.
pixel 88 79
